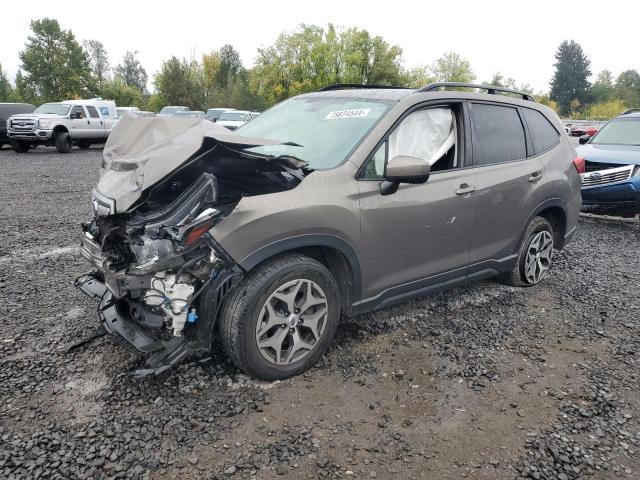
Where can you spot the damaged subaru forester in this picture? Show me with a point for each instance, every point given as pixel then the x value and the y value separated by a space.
pixel 331 203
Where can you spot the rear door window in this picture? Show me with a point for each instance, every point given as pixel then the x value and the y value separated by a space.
pixel 498 134
pixel 543 133
pixel 93 113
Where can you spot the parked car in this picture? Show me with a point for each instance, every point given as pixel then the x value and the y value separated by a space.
pixel 214 113
pixel 234 119
pixel 612 162
pixel 172 110
pixel 122 110
pixel 8 109
pixel 331 203
pixel 191 113
pixel 63 124
pixel 580 130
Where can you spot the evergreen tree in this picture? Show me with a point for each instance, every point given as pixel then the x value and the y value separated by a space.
pixel 131 72
pixel 570 80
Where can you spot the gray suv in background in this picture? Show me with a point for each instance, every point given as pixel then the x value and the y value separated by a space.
pixel 331 203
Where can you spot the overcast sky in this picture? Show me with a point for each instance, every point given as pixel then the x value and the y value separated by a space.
pixel 517 38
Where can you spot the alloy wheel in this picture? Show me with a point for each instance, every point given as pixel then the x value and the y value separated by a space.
pixel 538 259
pixel 291 322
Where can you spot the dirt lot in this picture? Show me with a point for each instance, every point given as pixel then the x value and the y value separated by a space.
pixel 488 382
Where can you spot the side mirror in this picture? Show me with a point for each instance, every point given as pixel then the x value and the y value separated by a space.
pixel 584 139
pixel 404 169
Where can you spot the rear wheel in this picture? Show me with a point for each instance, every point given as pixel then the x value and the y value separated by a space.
pixel 19 147
pixel 63 142
pixel 534 257
pixel 280 320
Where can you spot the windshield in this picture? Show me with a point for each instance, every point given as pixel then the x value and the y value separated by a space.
pixel 55 108
pixel 233 116
pixel 619 132
pixel 320 130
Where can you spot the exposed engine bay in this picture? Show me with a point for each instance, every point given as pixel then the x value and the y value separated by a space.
pixel 159 275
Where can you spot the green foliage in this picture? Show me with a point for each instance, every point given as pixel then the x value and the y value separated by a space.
pixel 131 72
pixel 604 110
pixel 570 80
pixel 55 66
pixel 124 95
pixel 451 67
pixel 312 57
pixel 6 91
pixel 98 60
pixel 180 83
pixel 603 88
pixel 628 88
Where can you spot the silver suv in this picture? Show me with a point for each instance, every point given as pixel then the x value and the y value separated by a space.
pixel 331 203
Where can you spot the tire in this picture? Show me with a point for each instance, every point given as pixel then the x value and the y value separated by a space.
pixel 245 317
pixel 539 230
pixel 63 142
pixel 84 145
pixel 19 147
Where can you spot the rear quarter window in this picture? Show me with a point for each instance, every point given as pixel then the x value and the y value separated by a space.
pixel 498 134
pixel 543 133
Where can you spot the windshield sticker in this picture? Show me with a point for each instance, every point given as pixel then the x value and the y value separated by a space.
pixel 355 113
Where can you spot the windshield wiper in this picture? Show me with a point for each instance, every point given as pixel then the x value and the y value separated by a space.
pixel 292 144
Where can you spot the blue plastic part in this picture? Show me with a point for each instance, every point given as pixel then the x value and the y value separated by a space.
pixel 192 316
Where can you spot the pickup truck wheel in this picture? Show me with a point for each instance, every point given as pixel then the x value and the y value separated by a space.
pixel 534 256
pixel 19 147
pixel 280 320
pixel 63 142
pixel 84 145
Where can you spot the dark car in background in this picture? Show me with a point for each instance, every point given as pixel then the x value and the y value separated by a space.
pixel 8 109
pixel 612 162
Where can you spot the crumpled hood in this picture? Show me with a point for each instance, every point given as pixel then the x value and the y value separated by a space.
pixel 141 151
pixel 618 154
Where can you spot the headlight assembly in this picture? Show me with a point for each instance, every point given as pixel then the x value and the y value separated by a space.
pixel 44 123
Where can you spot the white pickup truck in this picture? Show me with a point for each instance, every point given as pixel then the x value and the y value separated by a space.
pixel 63 124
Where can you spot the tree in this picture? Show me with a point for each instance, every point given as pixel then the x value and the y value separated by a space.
pixel 180 83
pixel 6 91
pixel 451 67
pixel 603 88
pixel 55 66
pixel 229 67
pixel 121 93
pixel 131 72
pixel 628 88
pixel 313 57
pixel 498 80
pixel 98 60
pixel 416 77
pixel 570 80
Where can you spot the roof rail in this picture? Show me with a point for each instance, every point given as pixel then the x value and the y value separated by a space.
pixel 631 110
pixel 491 89
pixel 344 86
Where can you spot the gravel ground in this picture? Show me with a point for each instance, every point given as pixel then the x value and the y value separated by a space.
pixel 488 382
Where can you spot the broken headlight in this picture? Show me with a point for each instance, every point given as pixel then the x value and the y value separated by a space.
pixel 148 251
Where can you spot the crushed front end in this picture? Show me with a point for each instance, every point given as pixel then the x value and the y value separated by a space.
pixel 155 273
pixel 159 275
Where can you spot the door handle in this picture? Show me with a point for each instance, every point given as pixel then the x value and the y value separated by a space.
pixel 88 122
pixel 535 176
pixel 466 188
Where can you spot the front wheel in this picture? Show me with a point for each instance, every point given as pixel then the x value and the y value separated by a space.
pixel 280 320
pixel 63 142
pixel 19 147
pixel 534 257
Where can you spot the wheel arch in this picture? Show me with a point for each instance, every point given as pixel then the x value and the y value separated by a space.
pixel 555 212
pixel 333 252
pixel 60 128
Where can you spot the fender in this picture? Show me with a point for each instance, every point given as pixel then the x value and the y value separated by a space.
pixel 311 240
pixel 551 202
